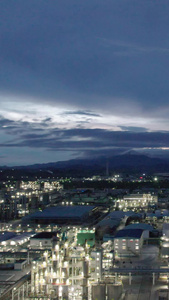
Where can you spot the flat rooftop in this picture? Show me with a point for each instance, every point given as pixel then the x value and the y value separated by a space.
pixel 68 211
pixel 129 233
pixel 45 235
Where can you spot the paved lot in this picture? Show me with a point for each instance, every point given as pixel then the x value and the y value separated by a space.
pixel 142 288
pixel 8 278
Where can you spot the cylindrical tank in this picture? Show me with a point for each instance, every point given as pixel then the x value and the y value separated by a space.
pixel 55 266
pixel 44 288
pixel 53 295
pixel 98 292
pixel 84 293
pixel 56 289
pixel 65 292
pixel 85 273
pixel 61 290
pixel 65 272
pixel 85 268
pixel 114 291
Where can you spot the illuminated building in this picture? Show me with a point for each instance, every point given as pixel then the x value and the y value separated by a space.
pixel 128 242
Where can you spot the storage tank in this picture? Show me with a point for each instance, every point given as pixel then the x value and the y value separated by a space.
pixel 85 266
pixel 61 290
pixel 44 288
pixel 114 291
pixel 55 266
pixel 84 293
pixel 53 295
pixel 85 272
pixel 98 292
pixel 65 292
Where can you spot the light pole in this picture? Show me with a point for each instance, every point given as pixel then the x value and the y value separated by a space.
pixel 13 293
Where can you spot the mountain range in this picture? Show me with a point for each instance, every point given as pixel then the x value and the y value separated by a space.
pixel 130 163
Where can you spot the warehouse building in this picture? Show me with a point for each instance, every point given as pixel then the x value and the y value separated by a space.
pixel 145 227
pixel 64 214
pixel 43 240
pixel 128 242
pixel 86 236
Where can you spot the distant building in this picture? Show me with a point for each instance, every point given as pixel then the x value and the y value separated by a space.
pixel 165 241
pixel 140 200
pixel 43 240
pixel 96 264
pixel 62 215
pixel 128 242
pixel 86 236
pixel 143 226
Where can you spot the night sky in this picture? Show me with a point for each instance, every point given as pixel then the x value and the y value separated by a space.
pixel 83 78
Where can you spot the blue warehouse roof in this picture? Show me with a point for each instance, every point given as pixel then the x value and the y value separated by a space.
pixel 129 233
pixel 142 226
pixel 6 236
pixel 63 212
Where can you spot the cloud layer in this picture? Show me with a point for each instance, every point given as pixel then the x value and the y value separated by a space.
pixel 78 78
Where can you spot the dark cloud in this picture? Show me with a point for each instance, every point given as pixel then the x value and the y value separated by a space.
pixel 5 122
pixel 34 136
pixel 82 113
pixel 66 52
pixel 105 152
pixel 47 120
pixel 88 140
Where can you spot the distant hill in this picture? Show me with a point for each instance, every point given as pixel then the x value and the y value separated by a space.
pixel 134 161
pixel 131 163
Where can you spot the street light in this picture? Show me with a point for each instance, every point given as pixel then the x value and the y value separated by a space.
pixel 13 293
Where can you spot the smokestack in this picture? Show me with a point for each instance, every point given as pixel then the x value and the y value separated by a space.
pixel 107 168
